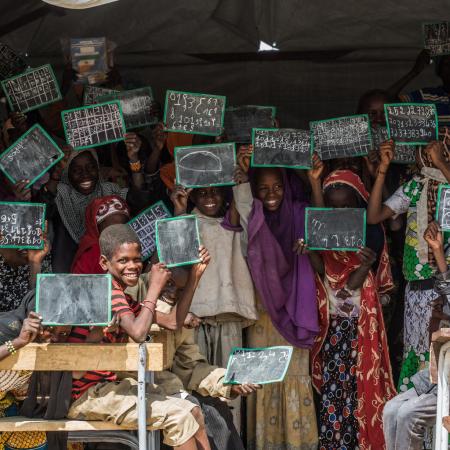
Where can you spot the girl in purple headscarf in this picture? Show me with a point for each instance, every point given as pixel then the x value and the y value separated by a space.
pixel 280 415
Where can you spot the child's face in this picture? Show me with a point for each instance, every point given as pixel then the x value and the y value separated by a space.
pixel 83 173
pixel 270 189
pixel 341 197
pixel 375 109
pixel 175 285
pixel 209 200
pixel 53 335
pixel 125 264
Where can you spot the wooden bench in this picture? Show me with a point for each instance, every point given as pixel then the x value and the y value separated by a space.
pixel 145 359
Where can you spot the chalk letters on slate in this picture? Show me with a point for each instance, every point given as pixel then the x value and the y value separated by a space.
pixel 205 165
pixel 144 226
pixel 258 365
pixel 283 147
pixel 443 207
pixel 67 299
pixel 10 62
pixel 436 38
pixel 21 225
pixel 412 123
pixel 335 228
pixel 94 125
pixel 404 154
pixel 187 112
pixel 32 89
pixel 30 157
pixel 178 241
pixel 92 93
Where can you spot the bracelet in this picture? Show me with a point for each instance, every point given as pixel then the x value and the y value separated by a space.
pixel 151 306
pixel 382 173
pixel 10 346
pixel 135 166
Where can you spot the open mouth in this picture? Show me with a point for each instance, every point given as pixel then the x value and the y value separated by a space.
pixel 131 276
pixel 86 184
pixel 271 203
pixel 211 205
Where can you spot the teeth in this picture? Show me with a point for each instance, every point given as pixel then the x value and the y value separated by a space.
pixel 86 184
pixel 272 202
pixel 210 205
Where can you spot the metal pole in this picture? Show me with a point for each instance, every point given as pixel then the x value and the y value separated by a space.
pixel 141 404
pixel 441 441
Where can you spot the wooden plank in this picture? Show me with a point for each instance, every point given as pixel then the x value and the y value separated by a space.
pixel 114 357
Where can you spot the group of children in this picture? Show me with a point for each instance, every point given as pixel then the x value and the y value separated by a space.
pixel 257 284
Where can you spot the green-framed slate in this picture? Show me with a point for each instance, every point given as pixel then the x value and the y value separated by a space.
pixel 178 240
pixel 205 165
pixel 11 62
pixel 30 157
pixel 404 154
pixel 72 299
pixel 144 224
pixel 281 147
pixel 262 365
pixel 194 113
pixel 22 225
pixel 94 125
pixel 32 89
pixel 436 37
pixel 443 207
pixel 92 93
pixel 341 229
pixel 412 123
pixel 341 137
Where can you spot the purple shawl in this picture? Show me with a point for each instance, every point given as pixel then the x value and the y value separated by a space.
pixel 284 280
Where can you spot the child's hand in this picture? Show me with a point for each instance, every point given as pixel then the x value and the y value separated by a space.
pixel 300 247
pixel 436 151
pixel 367 257
pixel 180 197
pixel 59 168
pixel 133 144
pixel 240 176
pixel 31 328
pixel 243 389
pixel 198 269
pixel 159 276
pixel 159 137
pixel 22 193
pixel 387 149
pixel 315 173
pixel 192 321
pixel 113 327
pixel 244 157
pixel 37 256
pixel 434 237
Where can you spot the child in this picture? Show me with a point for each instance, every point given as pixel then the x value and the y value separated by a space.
pixel 180 420
pixel 351 350
pixel 418 198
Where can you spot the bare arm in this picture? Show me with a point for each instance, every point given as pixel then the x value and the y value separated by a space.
pixel 315 180
pixel 357 278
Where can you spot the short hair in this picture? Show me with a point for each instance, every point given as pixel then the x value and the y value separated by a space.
pixel 114 236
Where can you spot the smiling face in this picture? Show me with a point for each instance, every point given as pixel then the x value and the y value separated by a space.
pixel 270 188
pixel 55 334
pixel 209 200
pixel 125 265
pixel 83 173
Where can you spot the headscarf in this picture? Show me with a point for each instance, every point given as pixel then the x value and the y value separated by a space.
pixel 96 212
pixel 72 204
pixel 284 280
pixel 375 385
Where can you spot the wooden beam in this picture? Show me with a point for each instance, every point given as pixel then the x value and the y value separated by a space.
pixel 70 357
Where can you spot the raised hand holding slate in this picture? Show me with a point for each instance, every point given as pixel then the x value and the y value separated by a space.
pixel 205 165
pixel 30 157
pixel 443 207
pixel 404 154
pixel 187 112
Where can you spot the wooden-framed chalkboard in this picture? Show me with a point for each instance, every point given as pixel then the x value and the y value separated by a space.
pixel 92 93
pixel 342 229
pixel 22 225
pixel 281 147
pixel 436 38
pixel 32 89
pixel 404 154
pixel 69 299
pixel 342 137
pixel 412 123
pixel 205 165
pixel 91 126
pixel 194 113
pixel 11 63
pixel 32 155
pixel 178 241
pixel 136 106
pixel 258 365
pixel 240 120
pixel 443 207
pixel 144 224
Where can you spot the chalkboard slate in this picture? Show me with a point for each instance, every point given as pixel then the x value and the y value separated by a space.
pixel 412 123
pixel 344 137
pixel 33 154
pixel 178 241
pixel 404 154
pixel 205 165
pixel 436 38
pixel 92 93
pixel 32 89
pixel 443 207
pixel 144 226
pixel 10 62
pixel 94 125
pixel 187 112
pixel 21 225
pixel 136 106
pixel 67 299
pixel 283 147
pixel 258 365
pixel 240 120
pixel 335 228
